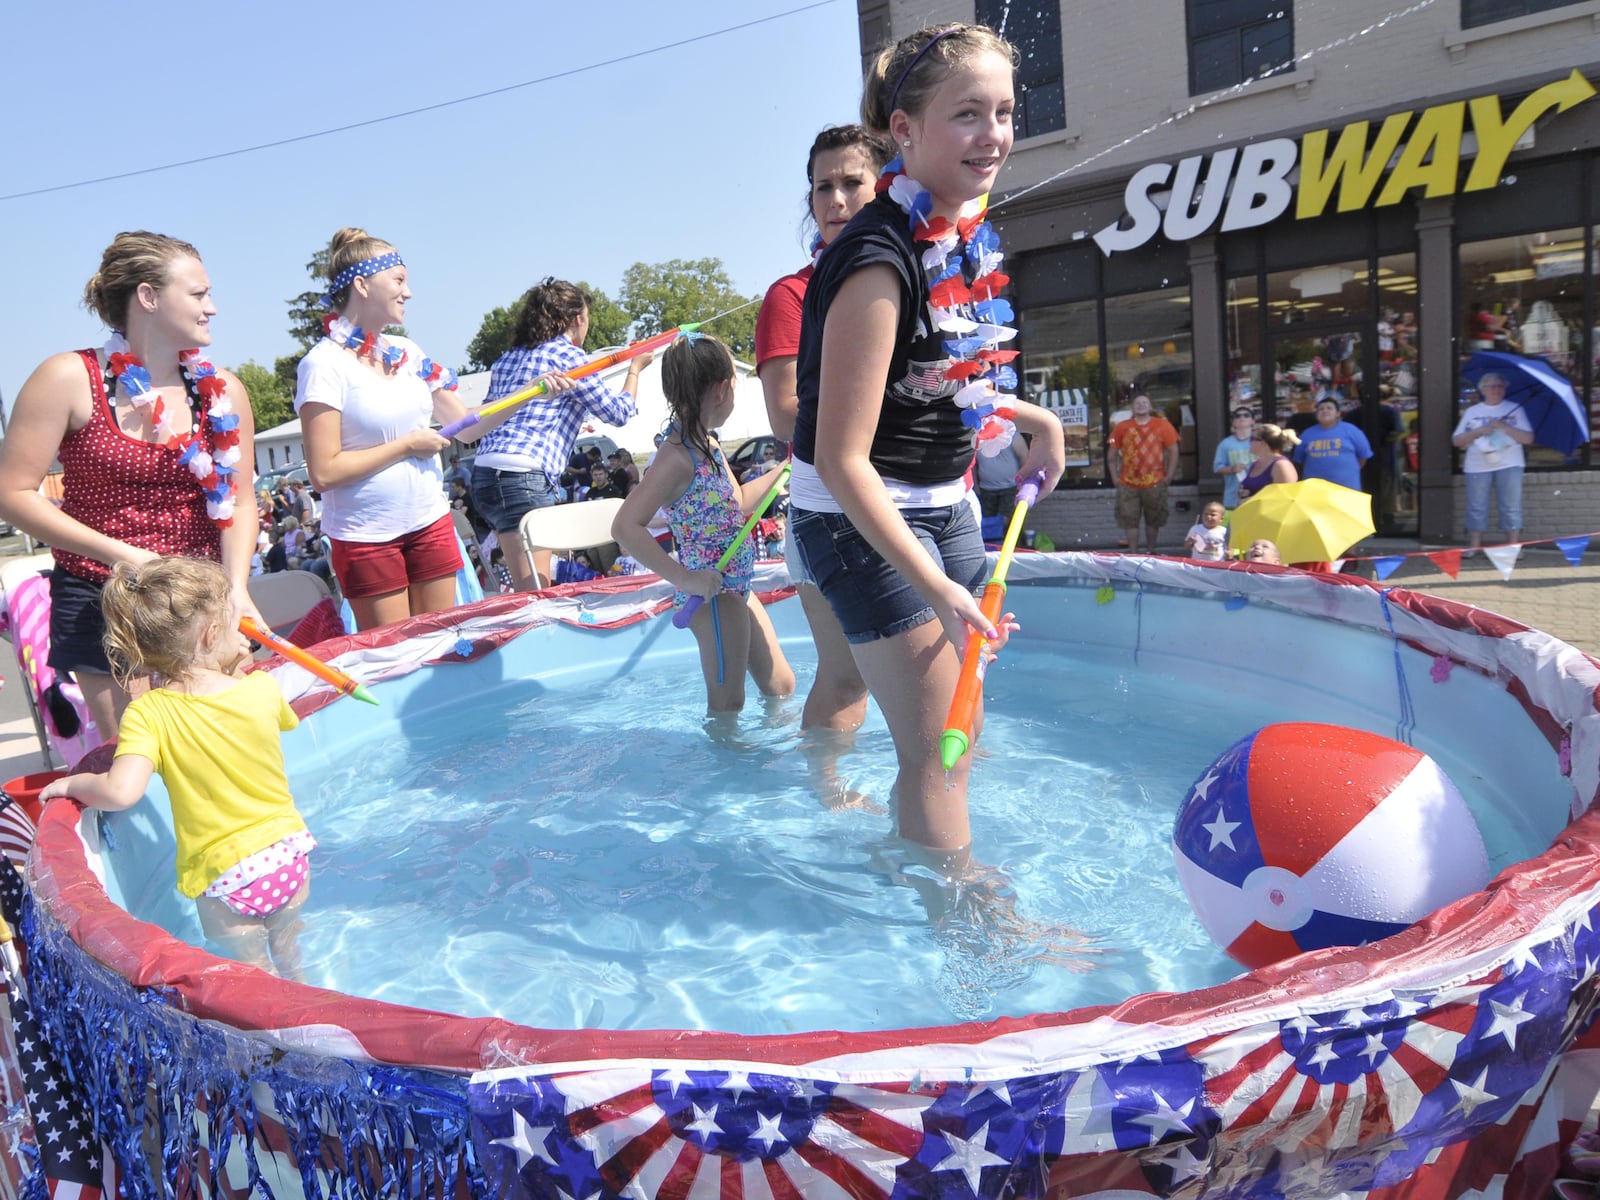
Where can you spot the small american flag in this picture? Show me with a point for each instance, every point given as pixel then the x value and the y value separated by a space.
pixel 71 1156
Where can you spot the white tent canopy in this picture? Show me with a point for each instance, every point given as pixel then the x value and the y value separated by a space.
pixel 749 417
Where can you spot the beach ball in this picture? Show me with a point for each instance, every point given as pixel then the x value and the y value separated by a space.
pixel 1302 836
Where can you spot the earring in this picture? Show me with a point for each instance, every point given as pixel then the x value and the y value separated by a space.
pixel 906 143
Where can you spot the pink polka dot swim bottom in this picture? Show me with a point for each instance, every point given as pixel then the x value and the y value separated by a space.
pixel 264 896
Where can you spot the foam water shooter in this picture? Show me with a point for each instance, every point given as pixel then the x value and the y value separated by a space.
pixel 600 363
pixel 324 671
pixel 956 739
pixel 684 615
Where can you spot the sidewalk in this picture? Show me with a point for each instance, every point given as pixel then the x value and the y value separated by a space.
pixel 1544 592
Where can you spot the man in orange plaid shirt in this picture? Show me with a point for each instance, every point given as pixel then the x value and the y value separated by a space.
pixel 1143 457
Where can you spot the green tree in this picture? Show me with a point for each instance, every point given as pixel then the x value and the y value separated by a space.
pixel 608 326
pixel 662 295
pixel 492 339
pixel 271 403
pixel 287 372
pixel 609 323
pixel 305 310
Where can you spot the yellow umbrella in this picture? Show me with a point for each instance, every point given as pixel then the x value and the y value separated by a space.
pixel 1311 520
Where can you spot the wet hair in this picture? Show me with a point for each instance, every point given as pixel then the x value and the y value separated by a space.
pixel 156 613
pixel 1279 441
pixel 874 147
pixel 131 259
pixel 690 368
pixel 904 75
pixel 348 247
pixel 547 310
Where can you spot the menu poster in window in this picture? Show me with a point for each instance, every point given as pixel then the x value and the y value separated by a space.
pixel 1072 407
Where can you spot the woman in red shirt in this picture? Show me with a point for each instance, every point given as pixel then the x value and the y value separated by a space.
pixel 843 169
pixel 154 443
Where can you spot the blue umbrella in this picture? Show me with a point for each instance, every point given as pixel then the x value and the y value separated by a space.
pixel 1541 391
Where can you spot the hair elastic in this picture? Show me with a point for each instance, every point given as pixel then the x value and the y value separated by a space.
pixel 360 270
pixel 915 59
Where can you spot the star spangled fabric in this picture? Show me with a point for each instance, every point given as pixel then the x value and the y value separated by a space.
pixel 1455 1061
pixel 70 1164
pixel 1356 1100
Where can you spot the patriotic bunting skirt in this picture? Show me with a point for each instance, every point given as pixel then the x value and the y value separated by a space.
pixel 1458 1058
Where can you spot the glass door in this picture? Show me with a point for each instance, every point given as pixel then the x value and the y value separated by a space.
pixel 1355 363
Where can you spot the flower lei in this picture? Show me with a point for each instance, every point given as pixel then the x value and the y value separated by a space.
pixel 216 470
pixel 972 312
pixel 342 332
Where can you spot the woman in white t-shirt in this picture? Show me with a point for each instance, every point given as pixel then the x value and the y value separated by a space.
pixel 367 404
pixel 1493 434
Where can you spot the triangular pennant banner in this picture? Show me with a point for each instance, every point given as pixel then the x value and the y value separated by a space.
pixel 1448 561
pixel 1572 548
pixel 1387 565
pixel 1504 558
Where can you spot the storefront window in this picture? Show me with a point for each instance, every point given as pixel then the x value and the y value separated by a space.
pixel 1398 444
pixel 1524 294
pixel 1242 320
pixel 1062 371
pixel 1150 350
pixel 1304 306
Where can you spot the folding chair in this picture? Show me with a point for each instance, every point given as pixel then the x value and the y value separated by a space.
pixel 285 596
pixel 564 528
pixel 61 719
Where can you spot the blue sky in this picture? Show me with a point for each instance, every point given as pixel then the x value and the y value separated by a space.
pixel 694 151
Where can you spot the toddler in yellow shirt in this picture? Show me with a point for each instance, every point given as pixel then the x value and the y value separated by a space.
pixel 211 733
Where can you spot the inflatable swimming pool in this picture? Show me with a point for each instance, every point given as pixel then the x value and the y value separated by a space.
pixel 1454 1058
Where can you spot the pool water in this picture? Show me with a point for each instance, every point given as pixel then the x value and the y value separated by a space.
pixel 590 857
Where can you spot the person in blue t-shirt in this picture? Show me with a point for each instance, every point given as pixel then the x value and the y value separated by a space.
pixel 1332 449
pixel 1234 456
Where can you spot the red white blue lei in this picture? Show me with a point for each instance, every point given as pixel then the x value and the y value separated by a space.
pixel 216 470
pixel 972 312
pixel 342 332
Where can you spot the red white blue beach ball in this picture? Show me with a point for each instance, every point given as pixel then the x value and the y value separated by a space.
pixel 1302 836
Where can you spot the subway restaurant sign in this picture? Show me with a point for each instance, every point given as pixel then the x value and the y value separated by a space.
pixel 1242 187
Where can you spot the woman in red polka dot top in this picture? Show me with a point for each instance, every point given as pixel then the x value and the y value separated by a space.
pixel 151 444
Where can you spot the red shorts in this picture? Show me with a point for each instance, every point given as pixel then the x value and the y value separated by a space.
pixel 379 568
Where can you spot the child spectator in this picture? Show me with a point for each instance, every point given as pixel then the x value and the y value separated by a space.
pixel 1263 550
pixel 1208 538
pixel 211 733
pixel 277 557
pixel 706 506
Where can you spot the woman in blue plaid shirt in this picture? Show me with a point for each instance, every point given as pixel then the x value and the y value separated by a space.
pixel 518 465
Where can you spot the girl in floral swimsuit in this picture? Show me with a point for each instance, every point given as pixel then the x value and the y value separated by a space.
pixel 706 506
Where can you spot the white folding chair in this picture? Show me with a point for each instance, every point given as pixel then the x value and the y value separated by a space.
pixel 285 596
pixel 566 528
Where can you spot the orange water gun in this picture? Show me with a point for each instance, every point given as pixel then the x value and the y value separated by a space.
pixel 324 671
pixel 956 739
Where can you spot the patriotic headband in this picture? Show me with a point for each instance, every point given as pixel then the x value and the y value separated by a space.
pixel 360 270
